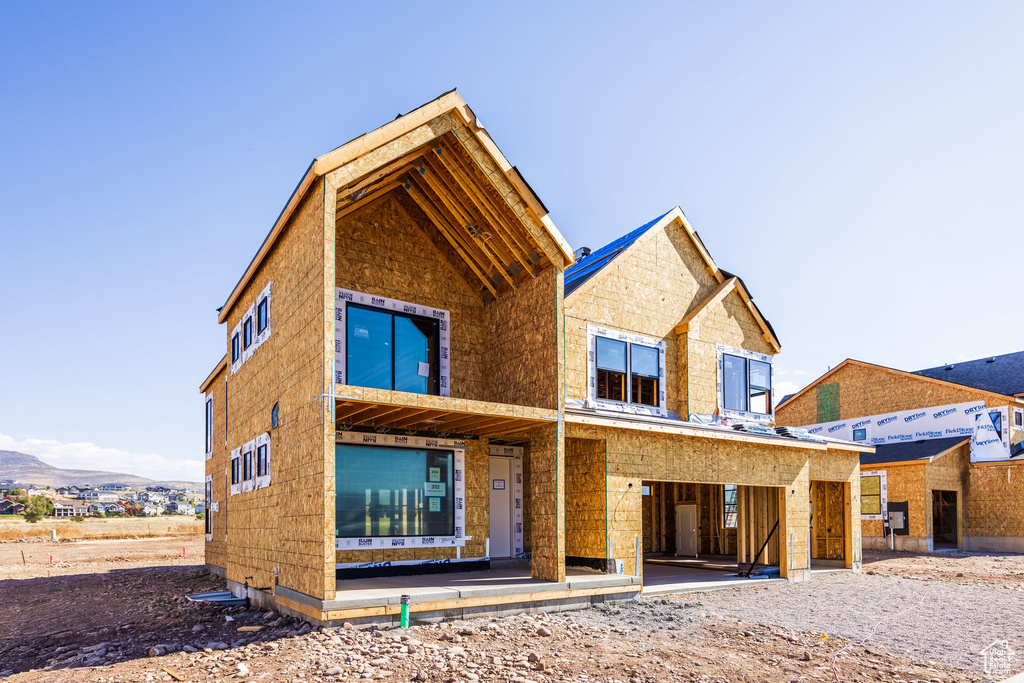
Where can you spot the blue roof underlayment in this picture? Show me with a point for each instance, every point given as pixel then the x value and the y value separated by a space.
pixel 588 266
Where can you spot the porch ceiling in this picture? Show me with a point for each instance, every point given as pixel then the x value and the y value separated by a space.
pixel 464 210
pixel 396 410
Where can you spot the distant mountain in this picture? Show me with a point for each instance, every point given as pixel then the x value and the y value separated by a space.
pixel 28 469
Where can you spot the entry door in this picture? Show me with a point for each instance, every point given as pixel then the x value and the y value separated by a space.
pixel 686 530
pixel 501 507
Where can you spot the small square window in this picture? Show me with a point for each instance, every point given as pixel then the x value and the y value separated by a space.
pixel 860 434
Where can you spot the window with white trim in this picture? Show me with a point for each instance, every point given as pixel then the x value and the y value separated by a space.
pixel 208 508
pixel 263 315
pixel 247 466
pixel 236 348
pixel 626 371
pixel 744 384
pixel 262 463
pixel 247 336
pixel 730 506
pixel 236 471
pixel 1018 418
pixel 209 426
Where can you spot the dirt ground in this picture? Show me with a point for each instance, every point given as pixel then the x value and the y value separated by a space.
pixel 112 611
pixel 15 527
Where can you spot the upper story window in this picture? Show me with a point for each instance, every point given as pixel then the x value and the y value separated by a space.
pixel 626 372
pixel 247 333
pixel 387 344
pixel 262 315
pixel 236 347
pixel 209 425
pixel 745 383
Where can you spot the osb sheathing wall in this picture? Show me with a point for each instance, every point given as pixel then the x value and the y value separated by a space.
pixel 872 390
pixel 995 504
pixel 636 456
pixel 545 505
pixel 216 549
pixel 905 483
pixel 730 323
pixel 648 290
pixel 282 525
pixel 477 521
pixel 586 512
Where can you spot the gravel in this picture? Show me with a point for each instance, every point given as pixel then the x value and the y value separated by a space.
pixel 952 624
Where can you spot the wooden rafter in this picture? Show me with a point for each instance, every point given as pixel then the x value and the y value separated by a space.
pixel 446 230
pixel 447 204
pixel 485 181
pixel 455 166
pixel 511 251
pixel 417 419
pixel 369 197
pixel 475 293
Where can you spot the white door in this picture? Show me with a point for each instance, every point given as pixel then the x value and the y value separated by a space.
pixel 686 530
pixel 501 507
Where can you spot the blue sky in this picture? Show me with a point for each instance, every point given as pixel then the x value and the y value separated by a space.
pixel 859 166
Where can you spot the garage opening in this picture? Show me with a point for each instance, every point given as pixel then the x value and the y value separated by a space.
pixel 695 532
pixel 944 530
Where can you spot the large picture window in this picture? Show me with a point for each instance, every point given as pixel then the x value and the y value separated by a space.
pixel 746 385
pixel 390 350
pixel 618 360
pixel 393 492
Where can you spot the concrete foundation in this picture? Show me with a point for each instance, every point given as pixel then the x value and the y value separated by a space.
pixel 994 544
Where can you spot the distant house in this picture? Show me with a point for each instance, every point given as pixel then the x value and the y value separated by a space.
pixel 33 491
pixel 114 487
pixel 98 496
pixel 9 507
pixel 149 510
pixel 70 508
pixel 106 508
pixel 181 508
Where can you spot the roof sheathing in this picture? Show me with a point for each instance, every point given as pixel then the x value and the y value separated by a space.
pixel 448 102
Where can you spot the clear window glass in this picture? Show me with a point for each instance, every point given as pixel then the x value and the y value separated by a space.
pixel 209 496
pixel 247 466
pixel 734 383
pixel 389 351
pixel 383 491
pixel 860 434
pixel 247 333
pixel 414 353
pixel 729 506
pixel 760 387
pixel 262 466
pixel 209 425
pixel 235 348
pixel 611 369
pixel 262 315
pixel 236 471
pixel 643 368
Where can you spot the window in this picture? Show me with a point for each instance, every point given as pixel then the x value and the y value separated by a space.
pixel 997 421
pixel 729 506
pixel 246 333
pixel 262 315
pixel 1018 418
pixel 262 460
pixel 611 369
pixel 247 466
pixel 617 359
pixel 236 471
pixel 390 350
pixel 209 501
pixel 746 385
pixel 392 492
pixel 643 368
pixel 871 495
pixel 860 434
pixel 236 349
pixel 209 425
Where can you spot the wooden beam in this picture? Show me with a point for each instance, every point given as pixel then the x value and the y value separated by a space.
pixel 437 252
pixel 442 226
pixel 373 196
pixel 349 414
pixel 508 254
pixel 454 166
pixel 459 219
pixel 417 419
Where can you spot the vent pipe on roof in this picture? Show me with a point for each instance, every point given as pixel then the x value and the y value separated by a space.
pixel 582 253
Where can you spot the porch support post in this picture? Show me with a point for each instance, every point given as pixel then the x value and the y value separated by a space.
pixel 547 503
pixel 795 526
